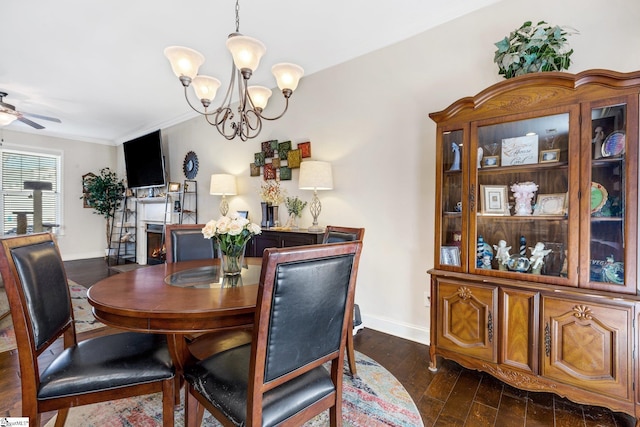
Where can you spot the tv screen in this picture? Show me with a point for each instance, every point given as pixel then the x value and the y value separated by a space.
pixel 144 162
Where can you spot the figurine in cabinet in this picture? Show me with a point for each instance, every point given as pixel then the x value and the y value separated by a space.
pixel 455 166
pixel 538 252
pixel 598 139
pixel 502 254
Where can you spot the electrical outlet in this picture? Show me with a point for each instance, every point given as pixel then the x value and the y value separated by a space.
pixel 427 299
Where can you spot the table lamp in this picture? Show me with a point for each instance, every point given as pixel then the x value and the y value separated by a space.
pixel 223 185
pixel 315 175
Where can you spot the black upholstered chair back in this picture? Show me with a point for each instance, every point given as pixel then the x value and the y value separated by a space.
pixel 185 242
pixel 302 305
pixel 41 272
pixel 307 312
pixel 337 234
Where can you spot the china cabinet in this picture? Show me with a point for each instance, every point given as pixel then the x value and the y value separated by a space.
pixel 535 277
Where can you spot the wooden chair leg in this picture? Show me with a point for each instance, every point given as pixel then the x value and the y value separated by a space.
pixel 351 357
pixel 169 394
pixel 61 418
pixel 193 410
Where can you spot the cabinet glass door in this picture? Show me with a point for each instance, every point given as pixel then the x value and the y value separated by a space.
pixel 609 207
pixel 525 185
pixel 452 225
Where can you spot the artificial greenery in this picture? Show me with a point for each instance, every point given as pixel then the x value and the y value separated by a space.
pixel 295 206
pixel 534 48
pixel 104 193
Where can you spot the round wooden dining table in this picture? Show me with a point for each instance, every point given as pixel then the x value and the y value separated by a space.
pixel 177 299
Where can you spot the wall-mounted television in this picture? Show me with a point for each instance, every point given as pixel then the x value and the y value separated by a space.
pixel 144 161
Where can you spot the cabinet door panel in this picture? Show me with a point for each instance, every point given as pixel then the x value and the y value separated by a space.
pixel 519 329
pixel 588 345
pixel 467 323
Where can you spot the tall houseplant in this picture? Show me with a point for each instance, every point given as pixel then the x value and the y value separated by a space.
pixel 104 193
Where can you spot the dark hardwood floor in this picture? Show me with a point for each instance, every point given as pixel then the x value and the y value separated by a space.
pixel 452 396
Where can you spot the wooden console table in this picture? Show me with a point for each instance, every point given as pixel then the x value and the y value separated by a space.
pixel 278 238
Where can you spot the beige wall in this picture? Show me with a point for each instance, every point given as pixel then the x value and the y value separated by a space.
pixel 369 118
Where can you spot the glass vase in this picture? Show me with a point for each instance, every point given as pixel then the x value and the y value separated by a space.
pixel 231 263
pixel 292 222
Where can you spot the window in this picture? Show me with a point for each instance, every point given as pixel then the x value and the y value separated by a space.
pixel 18 167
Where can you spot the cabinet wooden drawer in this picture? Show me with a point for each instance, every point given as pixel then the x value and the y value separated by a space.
pixel 588 345
pixel 467 322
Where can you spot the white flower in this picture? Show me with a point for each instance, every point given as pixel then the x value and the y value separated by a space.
pixel 209 229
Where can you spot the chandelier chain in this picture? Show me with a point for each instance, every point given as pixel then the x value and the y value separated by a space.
pixel 237 16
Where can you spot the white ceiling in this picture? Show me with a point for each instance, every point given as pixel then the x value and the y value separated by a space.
pixel 99 66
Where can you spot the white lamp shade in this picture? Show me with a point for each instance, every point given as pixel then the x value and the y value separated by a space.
pixel 287 75
pixel 259 96
pixel 205 87
pixel 6 118
pixel 184 61
pixel 223 184
pixel 315 175
pixel 246 51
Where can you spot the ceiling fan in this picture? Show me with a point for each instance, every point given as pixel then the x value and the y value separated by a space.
pixel 9 110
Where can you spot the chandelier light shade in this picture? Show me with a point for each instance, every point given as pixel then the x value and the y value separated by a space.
pixel 315 175
pixel 245 121
pixel 223 185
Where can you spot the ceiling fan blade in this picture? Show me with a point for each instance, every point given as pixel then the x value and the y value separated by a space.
pixel 30 123
pixel 39 116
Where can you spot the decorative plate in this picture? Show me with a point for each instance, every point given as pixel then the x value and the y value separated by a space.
pixel 190 165
pixel 613 145
pixel 599 197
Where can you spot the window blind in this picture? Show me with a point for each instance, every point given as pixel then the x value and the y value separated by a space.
pixel 18 167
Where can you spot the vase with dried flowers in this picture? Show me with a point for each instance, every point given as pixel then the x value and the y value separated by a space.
pixel 272 196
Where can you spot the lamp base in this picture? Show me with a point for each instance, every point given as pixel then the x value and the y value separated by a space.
pixel 315 228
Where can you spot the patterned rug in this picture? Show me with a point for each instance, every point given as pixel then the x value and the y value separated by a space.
pixel 376 398
pixel 81 311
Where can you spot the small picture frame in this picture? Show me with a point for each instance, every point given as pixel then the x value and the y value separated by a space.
pixel 490 161
pixel 494 200
pixel 551 204
pixel 243 214
pixel 450 255
pixel 549 156
pixel 174 187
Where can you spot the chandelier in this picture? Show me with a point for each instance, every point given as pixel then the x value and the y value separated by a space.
pixel 252 100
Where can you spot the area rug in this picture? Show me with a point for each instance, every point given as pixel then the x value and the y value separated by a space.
pixel 81 312
pixel 375 398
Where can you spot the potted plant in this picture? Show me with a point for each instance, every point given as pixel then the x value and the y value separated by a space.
pixel 294 207
pixel 534 48
pixel 103 193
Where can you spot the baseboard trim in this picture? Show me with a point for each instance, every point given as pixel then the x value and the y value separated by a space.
pixel 399 329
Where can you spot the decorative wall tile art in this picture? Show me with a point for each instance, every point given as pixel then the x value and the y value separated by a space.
pixel 268 148
pixel 254 170
pixel 305 149
pixel 294 158
pixel 259 159
pixel 269 171
pixel 276 162
pixel 285 173
pixel 283 149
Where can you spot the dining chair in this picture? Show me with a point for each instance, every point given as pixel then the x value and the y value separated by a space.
pixel 301 323
pixel 94 370
pixel 334 234
pixel 185 242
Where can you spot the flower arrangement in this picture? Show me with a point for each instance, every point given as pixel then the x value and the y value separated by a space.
pixel 533 48
pixel 231 232
pixel 295 206
pixel 271 193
